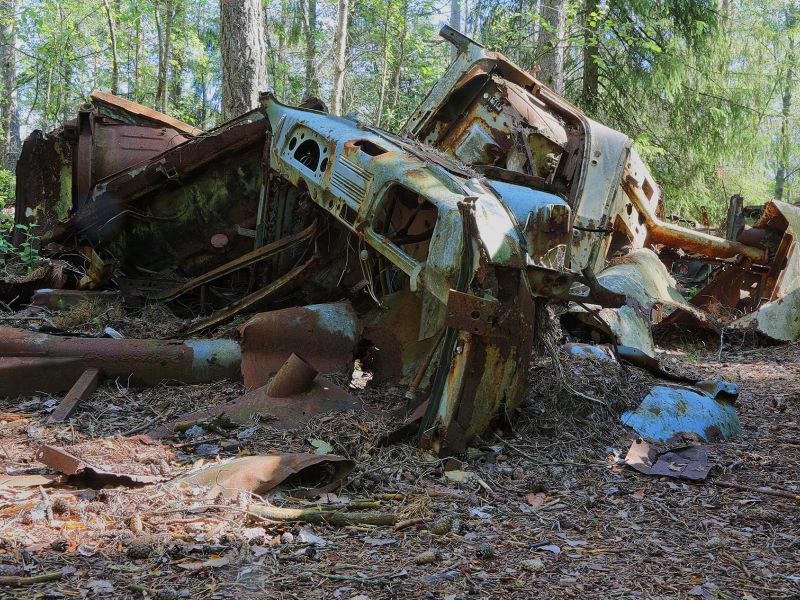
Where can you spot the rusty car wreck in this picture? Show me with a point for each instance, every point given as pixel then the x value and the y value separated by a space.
pixel 428 255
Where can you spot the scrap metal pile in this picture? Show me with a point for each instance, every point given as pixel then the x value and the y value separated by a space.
pixel 428 255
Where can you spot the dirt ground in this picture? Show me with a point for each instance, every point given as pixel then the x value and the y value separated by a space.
pixel 543 510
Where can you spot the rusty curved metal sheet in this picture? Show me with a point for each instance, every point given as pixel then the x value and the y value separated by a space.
pixel 142 112
pixel 323 334
pixel 317 473
pixel 79 472
pixel 645 282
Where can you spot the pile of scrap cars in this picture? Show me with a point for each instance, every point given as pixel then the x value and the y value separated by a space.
pixel 428 255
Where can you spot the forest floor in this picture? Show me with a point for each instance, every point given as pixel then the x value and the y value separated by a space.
pixel 544 510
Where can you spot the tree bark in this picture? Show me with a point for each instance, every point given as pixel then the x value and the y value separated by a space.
pixel 400 57
pixel 310 27
pixel 244 72
pixel 161 74
pixel 112 33
pixel 551 44
pixel 176 64
pixel 281 74
pixel 785 139
pixel 591 54
pixel 137 60
pixel 340 58
pixel 9 117
pixel 385 70
pixel 164 75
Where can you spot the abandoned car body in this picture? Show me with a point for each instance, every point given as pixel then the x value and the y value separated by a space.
pixel 431 252
pixel 501 121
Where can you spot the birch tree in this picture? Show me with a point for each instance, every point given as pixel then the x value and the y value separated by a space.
pixel 340 58
pixel 552 44
pixel 8 97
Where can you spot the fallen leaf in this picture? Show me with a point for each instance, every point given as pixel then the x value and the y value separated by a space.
pixel 535 500
pixel 306 537
pixel 459 476
pixel 321 446
pixel 476 512
pixel 100 586
pixel 212 563
pixel 378 542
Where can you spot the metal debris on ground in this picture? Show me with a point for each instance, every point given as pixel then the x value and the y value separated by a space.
pixel 427 257
pixel 669 411
pixel 690 462
pixel 79 472
pixel 309 475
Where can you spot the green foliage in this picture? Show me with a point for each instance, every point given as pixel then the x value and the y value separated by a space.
pixel 700 92
pixel 7 191
pixel 21 259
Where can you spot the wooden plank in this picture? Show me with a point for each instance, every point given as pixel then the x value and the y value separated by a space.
pixel 80 391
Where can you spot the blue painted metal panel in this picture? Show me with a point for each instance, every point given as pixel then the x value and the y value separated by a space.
pixel 667 411
pixel 522 200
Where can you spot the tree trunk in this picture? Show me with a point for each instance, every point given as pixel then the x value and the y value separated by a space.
pixel 310 27
pixel 385 69
pixel 9 117
pixel 112 33
pixel 137 60
pixel 244 72
pixel 163 77
pixel 283 56
pixel 591 53
pixel 551 44
pixel 340 58
pixel 176 64
pixel 785 139
pixel 160 78
pixel 401 57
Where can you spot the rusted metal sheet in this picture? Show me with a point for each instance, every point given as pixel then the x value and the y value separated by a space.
pixel 172 166
pixel 295 395
pixel 35 362
pixel 689 462
pixel 324 334
pixel 294 377
pixel 119 147
pixel 125 109
pixel 44 183
pixel 471 313
pixel 80 391
pixel 646 284
pixel 56 171
pixel 315 473
pixel 395 350
pixel 79 472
